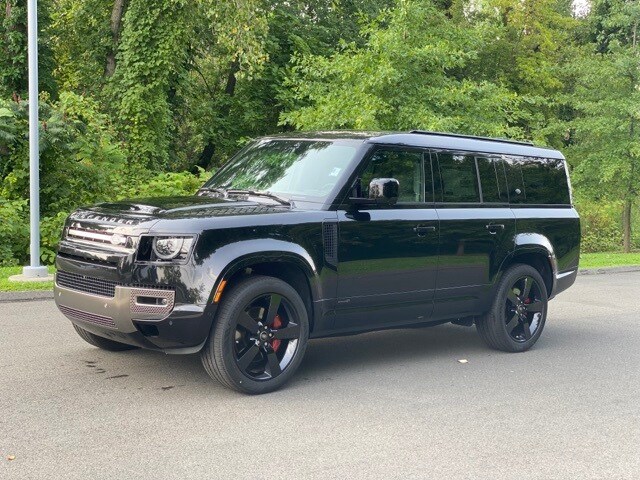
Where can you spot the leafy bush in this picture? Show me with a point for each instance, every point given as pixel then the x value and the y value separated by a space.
pixel 600 222
pixel 163 184
pixel 81 163
pixel 78 153
pixel 50 230
pixel 14 230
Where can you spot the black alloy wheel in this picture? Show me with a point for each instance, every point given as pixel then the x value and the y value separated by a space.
pixel 266 337
pixel 519 311
pixel 523 309
pixel 259 336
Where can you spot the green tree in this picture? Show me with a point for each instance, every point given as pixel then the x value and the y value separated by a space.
pixel 249 97
pixel 153 51
pixel 604 136
pixel 87 35
pixel 529 39
pixel 13 48
pixel 410 73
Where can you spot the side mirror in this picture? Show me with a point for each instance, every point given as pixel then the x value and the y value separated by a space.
pixel 382 191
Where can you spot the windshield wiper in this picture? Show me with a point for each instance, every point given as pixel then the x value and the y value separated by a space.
pixel 220 191
pixel 255 193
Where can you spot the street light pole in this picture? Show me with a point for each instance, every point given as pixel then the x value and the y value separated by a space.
pixel 35 269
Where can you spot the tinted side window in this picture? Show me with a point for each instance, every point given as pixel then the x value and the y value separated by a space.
pixel 545 181
pixel 458 178
pixel 492 180
pixel 513 170
pixel 404 166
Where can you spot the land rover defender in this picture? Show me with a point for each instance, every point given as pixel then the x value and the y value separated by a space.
pixel 310 235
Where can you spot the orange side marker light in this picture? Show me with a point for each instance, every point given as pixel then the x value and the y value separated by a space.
pixel 218 294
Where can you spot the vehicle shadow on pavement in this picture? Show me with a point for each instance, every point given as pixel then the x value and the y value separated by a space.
pixel 333 358
pixel 388 347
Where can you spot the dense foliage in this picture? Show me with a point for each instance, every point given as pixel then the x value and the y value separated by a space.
pixel 144 97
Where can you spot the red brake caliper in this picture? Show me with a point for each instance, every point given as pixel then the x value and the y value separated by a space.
pixel 277 323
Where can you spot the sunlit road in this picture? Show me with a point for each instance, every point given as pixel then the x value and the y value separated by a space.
pixel 394 404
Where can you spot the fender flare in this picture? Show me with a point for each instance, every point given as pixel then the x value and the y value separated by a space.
pixel 229 259
pixel 534 243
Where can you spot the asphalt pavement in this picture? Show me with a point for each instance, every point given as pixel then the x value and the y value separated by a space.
pixel 393 405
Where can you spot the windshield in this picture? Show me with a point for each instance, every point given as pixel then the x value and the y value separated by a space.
pixel 305 169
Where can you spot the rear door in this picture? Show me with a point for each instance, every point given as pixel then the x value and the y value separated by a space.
pixel 387 256
pixel 477 230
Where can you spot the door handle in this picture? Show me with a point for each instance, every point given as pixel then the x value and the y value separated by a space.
pixel 422 230
pixel 494 227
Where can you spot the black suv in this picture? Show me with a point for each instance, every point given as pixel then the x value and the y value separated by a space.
pixel 331 233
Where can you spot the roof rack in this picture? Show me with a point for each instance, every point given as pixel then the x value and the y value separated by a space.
pixel 459 135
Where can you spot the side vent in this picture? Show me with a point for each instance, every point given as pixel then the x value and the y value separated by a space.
pixel 330 241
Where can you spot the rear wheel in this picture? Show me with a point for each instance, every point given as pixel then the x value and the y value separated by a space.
pixel 259 336
pixel 103 343
pixel 518 313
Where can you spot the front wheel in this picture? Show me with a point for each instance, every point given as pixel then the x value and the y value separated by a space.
pixel 518 313
pixel 259 336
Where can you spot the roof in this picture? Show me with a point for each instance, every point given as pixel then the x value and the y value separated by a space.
pixel 437 140
pixel 329 135
pixel 466 143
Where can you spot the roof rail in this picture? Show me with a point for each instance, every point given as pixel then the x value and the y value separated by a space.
pixel 472 137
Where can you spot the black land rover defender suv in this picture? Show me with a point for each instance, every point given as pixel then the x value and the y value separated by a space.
pixel 311 235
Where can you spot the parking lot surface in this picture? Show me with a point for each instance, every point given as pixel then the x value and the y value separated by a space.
pixel 394 404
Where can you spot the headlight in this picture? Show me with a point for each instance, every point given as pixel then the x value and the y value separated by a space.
pixel 165 248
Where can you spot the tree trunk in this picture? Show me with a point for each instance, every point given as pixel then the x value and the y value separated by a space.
pixel 205 157
pixel 230 89
pixel 626 226
pixel 117 13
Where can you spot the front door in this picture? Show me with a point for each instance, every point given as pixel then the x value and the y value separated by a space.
pixel 387 256
pixel 477 230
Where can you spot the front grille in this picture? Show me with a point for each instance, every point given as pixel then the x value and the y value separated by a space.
pixel 98 286
pixel 82 283
pixel 90 235
pixel 74 314
pixel 103 239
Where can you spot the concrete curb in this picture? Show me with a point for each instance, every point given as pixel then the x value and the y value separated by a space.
pixel 25 296
pixel 602 270
pixel 48 294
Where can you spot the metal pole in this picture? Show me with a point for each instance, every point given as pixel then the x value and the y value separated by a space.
pixel 34 270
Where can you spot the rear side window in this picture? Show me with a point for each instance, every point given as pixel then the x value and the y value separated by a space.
pixel 545 181
pixel 458 178
pixel 513 170
pixel 492 180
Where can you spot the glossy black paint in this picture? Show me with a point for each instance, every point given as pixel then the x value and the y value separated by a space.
pixel 397 265
pixel 387 261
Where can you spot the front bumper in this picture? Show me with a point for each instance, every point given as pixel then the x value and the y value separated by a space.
pixel 144 317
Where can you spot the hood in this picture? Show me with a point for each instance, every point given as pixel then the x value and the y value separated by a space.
pixel 116 225
pixel 159 205
pixel 144 210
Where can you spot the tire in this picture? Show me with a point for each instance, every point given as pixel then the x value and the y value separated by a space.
pixel 103 343
pixel 259 336
pixel 516 318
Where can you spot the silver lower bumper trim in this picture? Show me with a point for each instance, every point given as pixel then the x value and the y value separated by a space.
pixel 118 313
